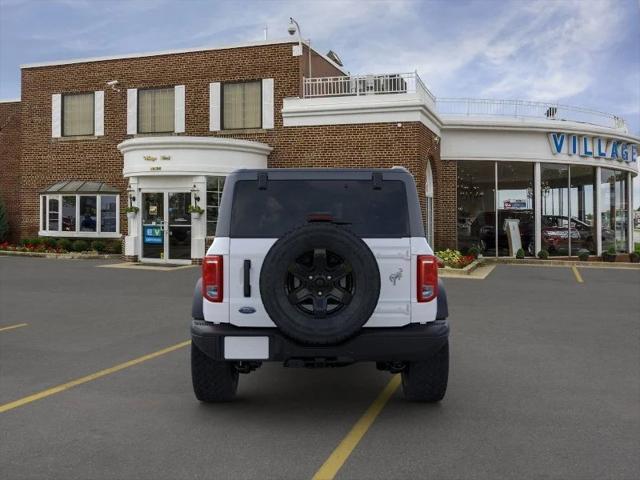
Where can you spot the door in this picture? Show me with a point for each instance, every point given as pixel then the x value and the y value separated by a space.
pixel 166 227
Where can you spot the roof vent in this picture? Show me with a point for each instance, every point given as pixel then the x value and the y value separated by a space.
pixel 333 56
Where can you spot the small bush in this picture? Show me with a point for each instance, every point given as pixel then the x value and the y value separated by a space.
pixel 99 246
pixel 50 243
pixel 474 252
pixel 520 254
pixel 114 247
pixel 64 244
pixel 583 255
pixel 634 257
pixel 80 246
pixel 543 254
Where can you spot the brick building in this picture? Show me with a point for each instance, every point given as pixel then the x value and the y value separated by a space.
pixel 159 132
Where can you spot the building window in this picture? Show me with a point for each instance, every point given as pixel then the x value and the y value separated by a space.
pixel 78 114
pixel 476 206
pixel 429 217
pixel 214 194
pixel 614 210
pixel 80 215
pixel 242 105
pixel 156 110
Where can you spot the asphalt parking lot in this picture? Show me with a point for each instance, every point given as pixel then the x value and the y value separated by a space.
pixel 545 383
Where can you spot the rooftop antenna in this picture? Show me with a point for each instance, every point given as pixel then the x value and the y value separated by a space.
pixel 266 32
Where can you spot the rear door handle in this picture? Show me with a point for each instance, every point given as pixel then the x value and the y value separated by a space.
pixel 247 279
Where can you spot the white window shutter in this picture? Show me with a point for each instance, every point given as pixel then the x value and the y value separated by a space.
pixel 132 111
pixel 56 115
pixel 267 103
pixel 98 111
pixel 179 108
pixel 214 106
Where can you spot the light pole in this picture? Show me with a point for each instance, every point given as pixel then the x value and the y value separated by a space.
pixel 294 28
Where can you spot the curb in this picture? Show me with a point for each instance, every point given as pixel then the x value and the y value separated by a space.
pixel 563 263
pixel 63 256
pixel 449 271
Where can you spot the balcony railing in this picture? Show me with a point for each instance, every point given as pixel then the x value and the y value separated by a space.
pixel 355 85
pixel 473 107
pixel 399 83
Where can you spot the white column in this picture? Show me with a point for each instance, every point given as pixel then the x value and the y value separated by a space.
pixel 598 218
pixel 630 211
pixel 199 226
pixel 132 245
pixel 537 206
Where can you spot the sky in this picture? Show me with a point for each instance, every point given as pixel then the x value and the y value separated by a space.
pixel 576 52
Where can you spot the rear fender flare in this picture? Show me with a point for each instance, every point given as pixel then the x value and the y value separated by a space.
pixel 196 304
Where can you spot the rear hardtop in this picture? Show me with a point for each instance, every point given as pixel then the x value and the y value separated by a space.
pixel 373 178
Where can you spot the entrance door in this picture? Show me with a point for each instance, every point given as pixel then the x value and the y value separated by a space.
pixel 166 227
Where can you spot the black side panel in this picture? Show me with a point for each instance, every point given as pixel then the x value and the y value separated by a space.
pixel 196 305
pixel 443 307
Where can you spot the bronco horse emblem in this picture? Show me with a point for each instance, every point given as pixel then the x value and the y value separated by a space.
pixel 394 277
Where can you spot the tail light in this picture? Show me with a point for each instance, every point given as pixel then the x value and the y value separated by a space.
pixel 427 278
pixel 212 278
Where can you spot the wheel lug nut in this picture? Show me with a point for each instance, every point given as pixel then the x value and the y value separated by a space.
pixel 320 293
pixel 328 277
pixel 310 277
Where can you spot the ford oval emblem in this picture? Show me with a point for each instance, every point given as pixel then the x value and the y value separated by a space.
pixel 247 310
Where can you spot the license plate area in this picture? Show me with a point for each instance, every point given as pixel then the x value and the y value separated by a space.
pixel 246 348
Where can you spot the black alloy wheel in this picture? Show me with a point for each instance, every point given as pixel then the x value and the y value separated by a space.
pixel 320 283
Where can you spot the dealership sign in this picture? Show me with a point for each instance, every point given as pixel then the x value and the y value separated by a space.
pixel 595 147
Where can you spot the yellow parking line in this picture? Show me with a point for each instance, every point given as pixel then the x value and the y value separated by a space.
pixel 11 327
pixel 332 465
pixel 576 273
pixel 94 376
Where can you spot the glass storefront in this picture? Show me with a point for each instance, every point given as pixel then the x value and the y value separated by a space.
pixel 516 220
pixel 496 207
pixel 476 206
pixel 614 210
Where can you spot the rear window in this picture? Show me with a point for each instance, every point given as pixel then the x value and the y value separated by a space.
pixel 286 204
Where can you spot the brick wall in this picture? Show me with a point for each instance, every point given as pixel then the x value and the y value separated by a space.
pixel 45 161
pixel 10 127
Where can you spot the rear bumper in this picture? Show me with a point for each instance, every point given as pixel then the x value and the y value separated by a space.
pixel 411 343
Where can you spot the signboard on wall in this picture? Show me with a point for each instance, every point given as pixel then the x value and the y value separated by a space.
pixel 153 235
pixel 594 147
pixel 515 204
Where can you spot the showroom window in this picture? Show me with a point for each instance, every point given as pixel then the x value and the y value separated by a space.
pixel 582 208
pixel 614 210
pixel 242 105
pixel 516 220
pixel 81 209
pixel 214 194
pixel 78 114
pixel 156 110
pixel 476 206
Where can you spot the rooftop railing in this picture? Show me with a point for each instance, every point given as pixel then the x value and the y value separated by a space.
pixel 356 85
pixel 473 107
pixel 399 83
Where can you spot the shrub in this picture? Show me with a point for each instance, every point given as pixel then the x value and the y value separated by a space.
pixel 64 244
pixel 80 246
pixel 520 254
pixel 50 243
pixel 4 222
pixel 543 254
pixel 115 247
pixel 583 255
pixel 610 255
pixel 99 246
pixel 634 257
pixel 474 252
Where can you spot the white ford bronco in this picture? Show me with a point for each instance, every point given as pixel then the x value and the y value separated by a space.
pixel 319 268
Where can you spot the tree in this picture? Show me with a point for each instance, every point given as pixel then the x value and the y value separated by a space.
pixel 4 222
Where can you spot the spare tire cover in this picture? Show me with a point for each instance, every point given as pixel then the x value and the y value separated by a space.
pixel 320 283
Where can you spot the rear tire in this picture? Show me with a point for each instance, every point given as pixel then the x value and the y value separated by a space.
pixel 213 381
pixel 426 381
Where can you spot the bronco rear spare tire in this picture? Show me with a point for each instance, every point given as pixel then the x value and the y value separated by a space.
pixel 320 283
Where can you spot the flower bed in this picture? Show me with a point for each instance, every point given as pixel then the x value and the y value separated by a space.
pixel 455 259
pixel 47 245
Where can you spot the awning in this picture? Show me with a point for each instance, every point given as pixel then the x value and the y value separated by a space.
pixel 80 187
